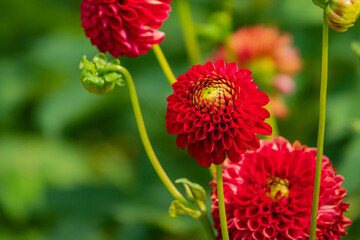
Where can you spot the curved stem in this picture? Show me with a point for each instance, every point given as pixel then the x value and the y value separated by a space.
pixel 222 212
pixel 321 132
pixel 204 220
pixel 155 162
pixel 187 25
pixel 164 64
pixel 146 142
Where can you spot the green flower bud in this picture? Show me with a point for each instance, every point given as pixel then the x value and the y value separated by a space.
pixel 342 14
pixel 100 76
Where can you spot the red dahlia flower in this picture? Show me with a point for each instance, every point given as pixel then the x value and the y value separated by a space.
pixel 216 110
pixel 269 195
pixel 124 27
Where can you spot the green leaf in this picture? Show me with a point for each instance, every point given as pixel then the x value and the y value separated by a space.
pixel 176 208
pixel 194 191
pixel 218 27
pixel 350 164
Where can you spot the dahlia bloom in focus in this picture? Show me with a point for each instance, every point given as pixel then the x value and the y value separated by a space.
pixel 269 54
pixel 216 110
pixel 269 195
pixel 124 27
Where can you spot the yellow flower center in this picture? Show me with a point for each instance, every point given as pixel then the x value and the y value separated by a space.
pixel 277 188
pixel 215 94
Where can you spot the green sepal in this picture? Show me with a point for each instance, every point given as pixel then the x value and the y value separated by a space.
pixel 194 191
pixel 176 208
pixel 100 76
pixel 321 3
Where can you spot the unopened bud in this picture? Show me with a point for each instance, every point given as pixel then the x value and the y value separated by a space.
pixel 100 76
pixel 342 14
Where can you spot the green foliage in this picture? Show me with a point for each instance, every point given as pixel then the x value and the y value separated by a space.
pixel 71 163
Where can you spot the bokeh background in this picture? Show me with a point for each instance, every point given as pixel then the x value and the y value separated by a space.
pixel 72 166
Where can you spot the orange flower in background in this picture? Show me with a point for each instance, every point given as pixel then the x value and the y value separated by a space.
pixel 269 54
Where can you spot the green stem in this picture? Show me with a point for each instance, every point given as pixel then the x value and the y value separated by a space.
pixel 164 64
pixel 147 145
pixel 321 132
pixel 272 121
pixel 187 25
pixel 222 212
pixel 204 220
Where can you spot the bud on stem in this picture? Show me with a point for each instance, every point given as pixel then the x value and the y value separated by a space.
pixel 340 14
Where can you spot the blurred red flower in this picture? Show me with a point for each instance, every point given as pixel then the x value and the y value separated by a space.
pixel 269 195
pixel 125 27
pixel 216 110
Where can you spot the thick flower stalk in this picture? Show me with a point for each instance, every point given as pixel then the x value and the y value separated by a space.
pixel 271 56
pixel 124 27
pixel 269 195
pixel 216 110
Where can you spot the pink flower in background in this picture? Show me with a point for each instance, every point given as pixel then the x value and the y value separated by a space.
pixel 269 54
pixel 124 27
pixel 216 110
pixel 269 195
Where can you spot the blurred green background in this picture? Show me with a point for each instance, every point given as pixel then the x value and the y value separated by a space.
pixel 72 166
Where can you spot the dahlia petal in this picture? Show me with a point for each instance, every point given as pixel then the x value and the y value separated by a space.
pixel 262 128
pixel 192 149
pixel 268 232
pixel 254 143
pixel 200 134
pixel 182 140
pixel 253 224
pixel 216 135
pixel 219 155
pixel 241 225
pixel 203 161
pixel 209 145
pixel 226 141
pixel 233 155
pixel 223 127
pixel 116 23
pixel 257 236
pixel 158 36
